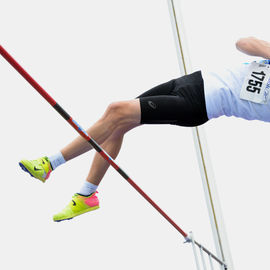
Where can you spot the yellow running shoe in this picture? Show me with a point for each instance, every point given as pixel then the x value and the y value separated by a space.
pixel 78 205
pixel 39 168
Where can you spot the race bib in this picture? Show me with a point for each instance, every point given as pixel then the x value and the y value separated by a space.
pixel 256 86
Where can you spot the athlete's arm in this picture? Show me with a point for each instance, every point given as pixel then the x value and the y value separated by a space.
pixel 253 46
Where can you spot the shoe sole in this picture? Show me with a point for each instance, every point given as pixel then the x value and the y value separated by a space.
pixel 63 219
pixel 23 167
pixel 78 214
pixel 26 170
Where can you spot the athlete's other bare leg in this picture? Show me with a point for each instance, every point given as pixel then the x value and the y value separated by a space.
pixel 99 166
pixel 119 118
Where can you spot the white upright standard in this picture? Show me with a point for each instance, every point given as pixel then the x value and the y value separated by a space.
pixel 210 190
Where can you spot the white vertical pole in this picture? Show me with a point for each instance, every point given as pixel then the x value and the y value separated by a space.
pixel 194 251
pixel 202 258
pixel 210 190
pixel 211 262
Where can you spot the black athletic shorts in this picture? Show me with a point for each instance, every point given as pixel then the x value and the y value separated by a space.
pixel 178 102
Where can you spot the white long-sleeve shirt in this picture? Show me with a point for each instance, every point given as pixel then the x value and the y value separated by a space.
pixel 222 94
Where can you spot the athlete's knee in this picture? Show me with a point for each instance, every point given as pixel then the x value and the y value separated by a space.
pixel 122 113
pixel 116 111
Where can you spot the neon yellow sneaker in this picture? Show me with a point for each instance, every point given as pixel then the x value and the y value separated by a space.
pixel 39 168
pixel 79 205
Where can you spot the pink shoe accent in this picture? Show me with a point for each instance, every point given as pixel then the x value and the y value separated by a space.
pixel 48 175
pixel 92 201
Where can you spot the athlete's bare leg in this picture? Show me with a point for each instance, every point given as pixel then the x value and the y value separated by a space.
pixel 116 121
pixel 99 166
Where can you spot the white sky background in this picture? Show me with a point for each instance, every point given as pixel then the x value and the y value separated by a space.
pixel 87 54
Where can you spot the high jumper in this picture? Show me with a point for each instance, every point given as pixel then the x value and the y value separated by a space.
pixel 191 100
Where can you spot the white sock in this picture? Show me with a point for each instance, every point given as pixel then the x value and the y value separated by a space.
pixel 88 188
pixel 57 160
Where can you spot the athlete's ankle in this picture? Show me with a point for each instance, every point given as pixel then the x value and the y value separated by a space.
pixel 87 189
pixel 56 160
